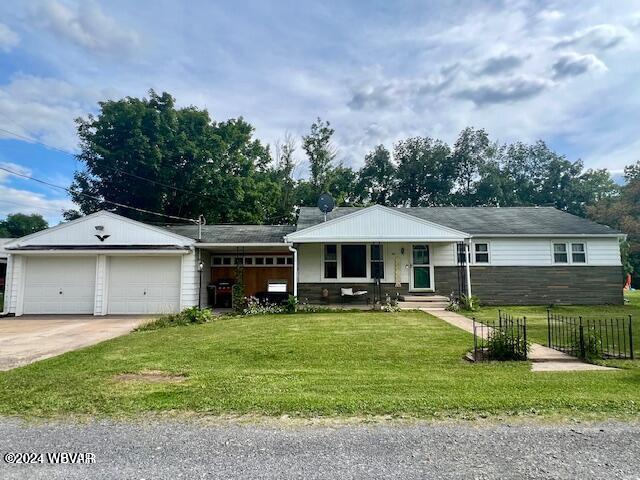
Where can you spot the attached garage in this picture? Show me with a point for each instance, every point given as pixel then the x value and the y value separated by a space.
pixel 139 285
pixel 59 285
pixel 102 264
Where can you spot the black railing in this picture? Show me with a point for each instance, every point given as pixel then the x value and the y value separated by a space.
pixel 591 338
pixel 504 339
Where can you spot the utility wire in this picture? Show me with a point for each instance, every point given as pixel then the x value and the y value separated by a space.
pixel 29 139
pixel 68 190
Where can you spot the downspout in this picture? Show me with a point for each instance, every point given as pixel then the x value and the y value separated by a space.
pixel 467 269
pixel 295 269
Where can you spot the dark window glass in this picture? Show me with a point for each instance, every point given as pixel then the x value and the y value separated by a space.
pixel 280 260
pixel 482 252
pixel 462 257
pixel 420 255
pixel 289 260
pixel 217 260
pixel 268 260
pixel 354 261
pixel 226 261
pixel 248 261
pixel 331 270
pixel 259 260
pixel 377 261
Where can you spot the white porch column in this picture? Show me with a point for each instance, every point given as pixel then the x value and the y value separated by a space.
pixel 467 247
pixel 295 269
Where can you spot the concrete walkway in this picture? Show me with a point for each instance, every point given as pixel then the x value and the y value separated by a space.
pixel 543 359
pixel 30 338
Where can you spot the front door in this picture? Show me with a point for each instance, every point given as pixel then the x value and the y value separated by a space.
pixel 421 278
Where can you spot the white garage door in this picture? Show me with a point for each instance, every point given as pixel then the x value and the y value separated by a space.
pixel 144 285
pixel 59 285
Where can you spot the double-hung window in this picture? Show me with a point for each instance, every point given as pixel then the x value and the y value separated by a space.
pixel 330 261
pixel 481 252
pixel 578 253
pixel 377 261
pixel 560 253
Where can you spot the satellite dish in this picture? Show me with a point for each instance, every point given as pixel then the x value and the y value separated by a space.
pixel 326 204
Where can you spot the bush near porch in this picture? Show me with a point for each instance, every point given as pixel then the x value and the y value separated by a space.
pixel 322 364
pixel 537 320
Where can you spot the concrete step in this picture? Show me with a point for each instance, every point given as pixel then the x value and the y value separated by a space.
pixel 424 298
pixel 414 305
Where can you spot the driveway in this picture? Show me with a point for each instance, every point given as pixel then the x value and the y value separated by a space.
pixel 31 338
pixel 175 449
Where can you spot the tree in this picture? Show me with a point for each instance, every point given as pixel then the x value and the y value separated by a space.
pixel 321 153
pixel 470 152
pixel 425 172
pixel 20 224
pixel 148 154
pixel 623 213
pixel 343 185
pixel 377 178
pixel 285 166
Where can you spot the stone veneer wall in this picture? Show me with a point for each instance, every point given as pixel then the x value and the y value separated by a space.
pixel 312 292
pixel 582 285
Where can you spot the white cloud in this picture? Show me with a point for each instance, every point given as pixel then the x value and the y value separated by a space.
pixel 8 38
pixel 87 26
pixel 602 37
pixel 16 200
pixel 45 109
pixel 573 64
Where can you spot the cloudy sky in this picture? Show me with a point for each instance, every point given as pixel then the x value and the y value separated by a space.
pixel 379 71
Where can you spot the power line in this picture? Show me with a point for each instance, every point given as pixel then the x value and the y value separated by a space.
pixel 24 137
pixel 68 190
pixel 33 207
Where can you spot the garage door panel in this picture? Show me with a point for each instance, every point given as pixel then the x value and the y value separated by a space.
pixel 57 285
pixel 143 285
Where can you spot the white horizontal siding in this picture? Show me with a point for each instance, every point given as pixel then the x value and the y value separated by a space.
pixel 539 251
pixel 375 223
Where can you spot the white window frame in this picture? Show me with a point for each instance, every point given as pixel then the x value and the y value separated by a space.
pixel 232 260
pixel 338 272
pixel 568 246
pixel 340 278
pixel 584 251
pixel 473 253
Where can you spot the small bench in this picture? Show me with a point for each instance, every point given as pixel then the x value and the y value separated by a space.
pixel 348 293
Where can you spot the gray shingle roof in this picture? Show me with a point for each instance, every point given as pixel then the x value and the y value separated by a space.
pixel 484 220
pixel 235 233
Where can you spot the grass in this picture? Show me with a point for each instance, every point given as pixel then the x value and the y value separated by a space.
pixel 323 364
pixel 537 320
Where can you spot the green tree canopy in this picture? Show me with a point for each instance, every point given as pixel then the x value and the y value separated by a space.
pixel 377 178
pixel 197 166
pixel 20 224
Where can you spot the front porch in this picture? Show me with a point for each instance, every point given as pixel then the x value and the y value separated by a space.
pixel 264 269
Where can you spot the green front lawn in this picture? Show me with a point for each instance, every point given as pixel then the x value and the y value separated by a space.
pixel 537 320
pixel 329 364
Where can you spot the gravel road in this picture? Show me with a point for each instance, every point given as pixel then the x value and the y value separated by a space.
pixel 194 449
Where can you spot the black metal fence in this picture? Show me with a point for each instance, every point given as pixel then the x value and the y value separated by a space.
pixel 504 339
pixel 588 338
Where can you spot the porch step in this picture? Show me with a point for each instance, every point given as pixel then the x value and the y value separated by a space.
pixel 417 305
pixel 415 301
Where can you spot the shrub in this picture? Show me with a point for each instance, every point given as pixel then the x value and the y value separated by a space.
pixel 502 345
pixel 469 304
pixel 189 316
pixel 292 304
